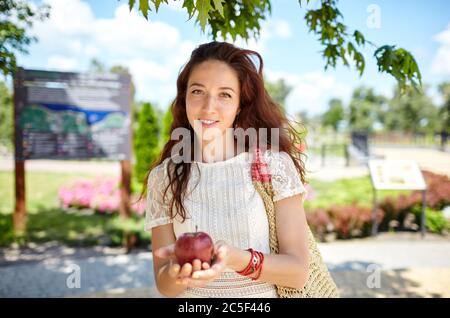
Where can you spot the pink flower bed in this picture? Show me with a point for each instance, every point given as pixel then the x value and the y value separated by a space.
pixel 100 194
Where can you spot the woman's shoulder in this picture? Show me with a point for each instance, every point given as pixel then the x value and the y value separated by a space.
pixel 159 172
pixel 272 155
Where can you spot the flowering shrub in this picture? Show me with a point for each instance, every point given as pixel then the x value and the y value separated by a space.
pixel 320 223
pixel 402 212
pixel 101 195
pixel 438 192
pixel 346 221
pixel 399 208
pixel 352 221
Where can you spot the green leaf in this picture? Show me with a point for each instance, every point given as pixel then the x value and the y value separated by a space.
pixel 157 3
pixel 360 62
pixel 143 7
pixel 218 6
pixel 190 6
pixel 131 4
pixel 342 54
pixel 203 7
pixel 400 64
pixel 359 37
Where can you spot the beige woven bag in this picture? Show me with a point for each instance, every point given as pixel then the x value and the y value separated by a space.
pixel 319 284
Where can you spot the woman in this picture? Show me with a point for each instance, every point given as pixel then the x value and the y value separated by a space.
pixel 219 90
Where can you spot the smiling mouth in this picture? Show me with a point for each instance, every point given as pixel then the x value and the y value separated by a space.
pixel 208 123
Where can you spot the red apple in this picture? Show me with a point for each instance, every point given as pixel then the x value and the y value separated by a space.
pixel 196 245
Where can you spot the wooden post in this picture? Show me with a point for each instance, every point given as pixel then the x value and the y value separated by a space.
pixel 374 213
pixel 125 188
pixel 323 154
pixel 347 155
pixel 20 214
pixel 423 217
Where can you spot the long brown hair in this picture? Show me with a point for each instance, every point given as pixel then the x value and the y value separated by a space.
pixel 258 110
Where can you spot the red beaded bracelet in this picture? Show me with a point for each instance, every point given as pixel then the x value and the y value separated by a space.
pixel 260 264
pixel 254 265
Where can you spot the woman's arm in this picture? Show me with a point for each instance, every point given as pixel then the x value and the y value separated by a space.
pixel 165 271
pixel 290 267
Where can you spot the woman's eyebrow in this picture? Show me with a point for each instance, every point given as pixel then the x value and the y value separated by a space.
pixel 198 84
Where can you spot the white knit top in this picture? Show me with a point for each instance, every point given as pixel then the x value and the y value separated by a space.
pixel 225 205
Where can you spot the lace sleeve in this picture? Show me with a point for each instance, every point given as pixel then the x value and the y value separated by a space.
pixel 286 180
pixel 157 209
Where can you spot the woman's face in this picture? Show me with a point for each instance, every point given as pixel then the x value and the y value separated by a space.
pixel 212 98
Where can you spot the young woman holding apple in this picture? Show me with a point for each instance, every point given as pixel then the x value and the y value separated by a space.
pixel 221 89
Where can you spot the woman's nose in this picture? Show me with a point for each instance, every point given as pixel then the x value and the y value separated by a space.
pixel 210 102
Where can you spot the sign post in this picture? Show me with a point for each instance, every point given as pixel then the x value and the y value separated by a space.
pixel 20 216
pixel 396 175
pixel 60 116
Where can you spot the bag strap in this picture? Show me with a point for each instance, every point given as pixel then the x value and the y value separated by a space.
pixel 262 181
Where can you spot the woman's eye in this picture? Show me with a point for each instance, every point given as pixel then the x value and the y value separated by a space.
pixel 226 95
pixel 196 92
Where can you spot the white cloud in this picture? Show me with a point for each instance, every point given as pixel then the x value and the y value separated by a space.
pixel 61 63
pixel 441 61
pixel 311 91
pixel 282 29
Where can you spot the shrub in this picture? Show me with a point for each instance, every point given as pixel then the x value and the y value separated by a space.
pixel 398 209
pixel 352 221
pixel 146 141
pixel 435 221
pixel 319 223
pixel 438 192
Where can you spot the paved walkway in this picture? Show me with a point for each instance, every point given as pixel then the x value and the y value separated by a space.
pixel 407 266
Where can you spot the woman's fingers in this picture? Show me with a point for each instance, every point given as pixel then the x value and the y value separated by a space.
pixel 174 270
pixel 196 265
pixel 210 273
pixel 186 270
pixel 205 265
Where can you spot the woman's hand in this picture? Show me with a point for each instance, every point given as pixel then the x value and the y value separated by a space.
pixel 197 274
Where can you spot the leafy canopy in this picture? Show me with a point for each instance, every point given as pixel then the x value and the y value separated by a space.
pixel 233 18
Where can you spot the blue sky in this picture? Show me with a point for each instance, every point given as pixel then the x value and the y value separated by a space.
pixel 155 50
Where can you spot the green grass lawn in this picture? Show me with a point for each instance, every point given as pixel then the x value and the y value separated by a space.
pixel 346 191
pixel 47 221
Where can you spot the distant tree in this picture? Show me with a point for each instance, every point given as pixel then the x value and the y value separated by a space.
pixel 6 117
pixel 364 109
pixel 167 123
pixel 279 91
pixel 444 110
pixel 413 112
pixel 334 115
pixel 146 141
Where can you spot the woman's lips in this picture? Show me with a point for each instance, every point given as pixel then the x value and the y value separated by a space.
pixel 205 125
